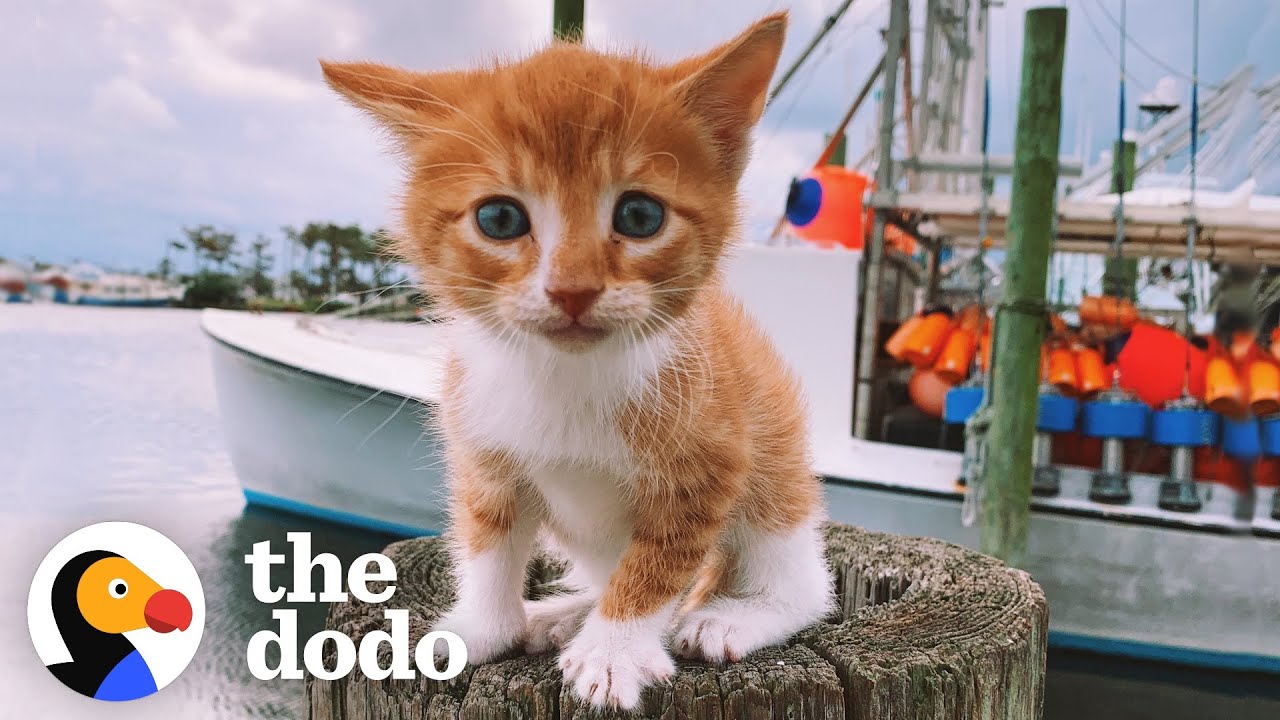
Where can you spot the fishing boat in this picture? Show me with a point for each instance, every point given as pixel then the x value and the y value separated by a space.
pixel 14 283
pixel 91 285
pixel 52 284
pixel 1174 559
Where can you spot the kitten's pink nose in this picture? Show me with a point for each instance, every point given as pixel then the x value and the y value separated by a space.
pixel 574 300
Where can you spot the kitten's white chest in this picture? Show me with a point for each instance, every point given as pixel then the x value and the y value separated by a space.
pixel 547 407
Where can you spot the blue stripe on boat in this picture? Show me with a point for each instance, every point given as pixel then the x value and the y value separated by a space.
pixel 1165 653
pixel 122 302
pixel 341 517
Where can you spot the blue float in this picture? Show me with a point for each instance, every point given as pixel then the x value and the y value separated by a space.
pixel 1184 427
pixel 804 201
pixel 1057 413
pixel 1241 439
pixel 1124 419
pixel 961 402
pixel 1271 436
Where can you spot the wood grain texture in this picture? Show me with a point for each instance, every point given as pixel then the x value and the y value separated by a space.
pixel 926 630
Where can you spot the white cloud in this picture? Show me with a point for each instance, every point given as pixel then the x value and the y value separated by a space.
pixel 262 142
pixel 214 71
pixel 125 102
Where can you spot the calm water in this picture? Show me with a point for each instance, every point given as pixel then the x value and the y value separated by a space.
pixel 111 415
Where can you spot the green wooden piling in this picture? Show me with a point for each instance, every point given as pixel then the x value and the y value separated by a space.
pixel 567 20
pixel 1006 476
pixel 1120 276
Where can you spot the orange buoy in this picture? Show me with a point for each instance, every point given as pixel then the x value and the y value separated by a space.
pixel 898 340
pixel 957 355
pixel 926 340
pixel 928 391
pixel 1062 371
pixel 1223 391
pixel 1153 364
pixel 956 358
pixel 825 207
pixel 1108 311
pixel 1091 371
pixel 1264 387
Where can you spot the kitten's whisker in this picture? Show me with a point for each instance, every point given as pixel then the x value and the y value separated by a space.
pixel 463 276
pixel 584 127
pixel 677 277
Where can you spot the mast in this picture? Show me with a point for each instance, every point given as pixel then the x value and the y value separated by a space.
pixel 882 200
pixel 1120 274
pixel 827 25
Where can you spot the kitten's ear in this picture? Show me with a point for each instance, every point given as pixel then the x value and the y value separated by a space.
pixel 406 102
pixel 726 88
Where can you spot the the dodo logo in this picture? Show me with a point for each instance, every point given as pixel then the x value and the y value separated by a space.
pixel 116 611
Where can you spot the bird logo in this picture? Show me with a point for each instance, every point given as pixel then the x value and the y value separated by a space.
pixel 116 611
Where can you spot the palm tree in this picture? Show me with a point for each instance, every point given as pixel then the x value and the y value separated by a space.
pixel 259 272
pixel 311 235
pixel 381 256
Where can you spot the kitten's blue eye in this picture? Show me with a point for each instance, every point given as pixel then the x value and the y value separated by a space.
pixel 502 219
pixel 638 216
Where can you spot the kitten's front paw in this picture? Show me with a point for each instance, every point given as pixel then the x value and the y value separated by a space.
pixel 553 621
pixel 486 635
pixel 609 663
pixel 724 631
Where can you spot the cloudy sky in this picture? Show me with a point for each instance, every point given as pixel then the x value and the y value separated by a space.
pixel 123 120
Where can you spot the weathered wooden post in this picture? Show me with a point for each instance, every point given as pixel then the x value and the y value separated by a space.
pixel 1020 320
pixel 923 629
pixel 567 20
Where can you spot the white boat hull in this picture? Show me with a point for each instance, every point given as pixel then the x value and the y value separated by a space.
pixel 319 446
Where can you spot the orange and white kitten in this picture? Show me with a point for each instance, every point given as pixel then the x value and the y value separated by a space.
pixel 569 212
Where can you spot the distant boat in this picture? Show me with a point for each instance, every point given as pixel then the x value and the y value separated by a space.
pixel 52 284
pixel 14 287
pixel 90 285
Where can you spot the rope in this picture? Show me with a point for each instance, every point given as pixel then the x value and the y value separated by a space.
pixel 1106 47
pixel 1146 53
pixel 1192 224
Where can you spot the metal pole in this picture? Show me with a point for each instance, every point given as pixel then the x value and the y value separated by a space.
pixel 1193 225
pixel 882 199
pixel 863 92
pixel 1007 470
pixel 567 20
pixel 1120 274
pixel 827 24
